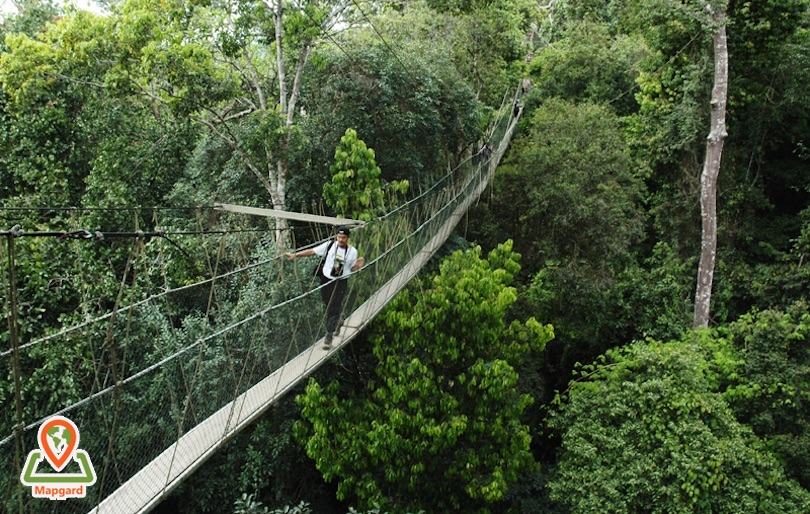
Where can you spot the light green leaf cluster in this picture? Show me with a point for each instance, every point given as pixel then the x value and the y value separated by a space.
pixel 168 54
pixel 30 68
pixel 356 190
pixel 438 426
pixel 302 23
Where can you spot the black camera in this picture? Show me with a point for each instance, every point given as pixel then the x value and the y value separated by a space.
pixel 337 267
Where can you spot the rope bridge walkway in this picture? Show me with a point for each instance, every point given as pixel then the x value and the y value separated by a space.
pixel 175 374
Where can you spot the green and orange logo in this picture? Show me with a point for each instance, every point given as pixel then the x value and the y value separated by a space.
pixel 58 440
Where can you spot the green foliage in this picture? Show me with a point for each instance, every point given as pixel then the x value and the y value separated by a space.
pixel 589 64
pixel 215 172
pixel 458 6
pixel 165 53
pixel 489 47
pixel 248 505
pixel 418 114
pixel 567 191
pixel 356 191
pixel 769 46
pixel 782 279
pixel 438 425
pixel 29 20
pixel 766 49
pixel 656 298
pixel 139 163
pixel 771 392
pixel 66 51
pixel 47 137
pixel 66 141
pixel 642 430
pixel 757 37
pixel 482 43
pixel 274 467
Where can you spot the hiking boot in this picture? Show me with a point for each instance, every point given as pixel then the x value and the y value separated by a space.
pixel 339 324
pixel 327 341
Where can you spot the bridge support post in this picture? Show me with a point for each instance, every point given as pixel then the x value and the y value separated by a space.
pixel 14 339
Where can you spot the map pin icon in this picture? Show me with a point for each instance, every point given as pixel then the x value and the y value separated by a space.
pixel 58 439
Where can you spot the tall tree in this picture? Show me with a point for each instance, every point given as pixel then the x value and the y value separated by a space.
pixel 758 193
pixel 305 26
pixel 233 81
pixel 711 166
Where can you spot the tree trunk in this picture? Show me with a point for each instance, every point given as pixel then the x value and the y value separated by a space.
pixel 711 169
pixel 277 168
pixel 277 165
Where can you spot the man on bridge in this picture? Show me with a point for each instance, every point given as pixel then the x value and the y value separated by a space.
pixel 338 261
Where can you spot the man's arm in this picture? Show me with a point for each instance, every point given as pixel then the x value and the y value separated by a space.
pixel 358 264
pixel 302 253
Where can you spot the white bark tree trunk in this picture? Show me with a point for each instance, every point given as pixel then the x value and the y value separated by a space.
pixel 276 162
pixel 711 170
pixel 273 176
pixel 277 168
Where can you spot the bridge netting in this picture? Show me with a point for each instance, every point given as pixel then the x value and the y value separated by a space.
pixel 161 374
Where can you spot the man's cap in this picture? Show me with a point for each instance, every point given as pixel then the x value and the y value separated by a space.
pixel 343 230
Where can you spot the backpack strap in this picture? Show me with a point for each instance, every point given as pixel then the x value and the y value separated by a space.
pixel 319 267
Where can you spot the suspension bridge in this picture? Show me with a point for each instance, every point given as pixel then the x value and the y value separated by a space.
pixel 220 350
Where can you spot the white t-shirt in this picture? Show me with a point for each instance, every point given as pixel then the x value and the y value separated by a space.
pixel 339 258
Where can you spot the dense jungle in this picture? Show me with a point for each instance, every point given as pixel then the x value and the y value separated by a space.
pixel 551 357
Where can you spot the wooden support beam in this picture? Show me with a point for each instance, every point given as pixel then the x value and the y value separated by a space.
pixel 298 216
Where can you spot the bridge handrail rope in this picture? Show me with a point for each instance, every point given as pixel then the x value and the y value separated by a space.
pixel 260 263
pixel 146 300
pixel 151 298
pixel 191 402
